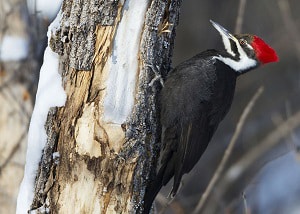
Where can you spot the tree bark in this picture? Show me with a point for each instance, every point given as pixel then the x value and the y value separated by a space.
pixel 95 161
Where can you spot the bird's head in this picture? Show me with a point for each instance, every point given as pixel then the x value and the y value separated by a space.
pixel 246 51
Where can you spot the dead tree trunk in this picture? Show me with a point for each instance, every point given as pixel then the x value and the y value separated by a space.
pixel 102 145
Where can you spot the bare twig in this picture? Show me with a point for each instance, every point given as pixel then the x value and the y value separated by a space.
pixel 290 25
pixel 246 209
pixel 266 144
pixel 13 152
pixel 228 151
pixel 240 17
pixel 239 174
pixel 292 143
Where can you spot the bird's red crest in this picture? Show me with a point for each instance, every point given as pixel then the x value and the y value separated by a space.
pixel 264 52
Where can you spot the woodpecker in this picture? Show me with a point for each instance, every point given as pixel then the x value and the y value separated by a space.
pixel 196 96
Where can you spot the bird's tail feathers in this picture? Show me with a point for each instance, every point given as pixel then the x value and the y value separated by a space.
pixel 151 191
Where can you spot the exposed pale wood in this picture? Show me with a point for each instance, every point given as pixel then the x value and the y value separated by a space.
pixel 103 167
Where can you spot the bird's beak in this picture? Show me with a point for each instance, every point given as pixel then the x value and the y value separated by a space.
pixel 226 37
pixel 222 30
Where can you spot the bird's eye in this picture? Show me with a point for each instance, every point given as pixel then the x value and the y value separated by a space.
pixel 243 42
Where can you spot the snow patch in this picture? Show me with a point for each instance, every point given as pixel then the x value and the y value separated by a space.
pixel 13 48
pixel 55 155
pixel 123 63
pixel 50 93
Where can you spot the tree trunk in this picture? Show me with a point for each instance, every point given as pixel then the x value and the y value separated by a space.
pixel 102 145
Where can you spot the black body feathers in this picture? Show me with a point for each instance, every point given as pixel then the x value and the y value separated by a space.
pixel 196 97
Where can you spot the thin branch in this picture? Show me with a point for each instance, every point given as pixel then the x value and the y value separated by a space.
pixel 292 144
pixel 290 25
pixel 228 151
pixel 241 172
pixel 240 16
pixel 269 142
pixel 246 209
pixel 12 152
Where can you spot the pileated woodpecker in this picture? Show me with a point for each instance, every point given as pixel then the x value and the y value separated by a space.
pixel 194 100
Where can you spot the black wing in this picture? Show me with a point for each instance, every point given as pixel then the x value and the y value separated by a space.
pixel 194 100
pixel 185 115
pixel 184 145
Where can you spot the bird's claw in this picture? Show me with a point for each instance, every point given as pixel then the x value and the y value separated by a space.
pixel 155 70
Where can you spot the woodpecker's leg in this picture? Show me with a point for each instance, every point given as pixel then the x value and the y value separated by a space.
pixel 155 70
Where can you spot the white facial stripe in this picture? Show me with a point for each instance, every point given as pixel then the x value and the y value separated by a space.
pixel 239 66
pixel 244 62
pixel 225 40
pixel 227 44
pixel 249 46
pixel 240 49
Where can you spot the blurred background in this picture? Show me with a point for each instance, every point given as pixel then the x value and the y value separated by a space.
pixel 263 172
pixel 23 27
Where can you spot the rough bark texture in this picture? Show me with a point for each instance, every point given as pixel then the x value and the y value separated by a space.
pixel 79 24
pixel 103 167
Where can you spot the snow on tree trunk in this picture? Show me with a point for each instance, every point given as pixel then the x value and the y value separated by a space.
pixel 101 147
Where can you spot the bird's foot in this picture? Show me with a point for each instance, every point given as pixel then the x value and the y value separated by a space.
pixel 157 77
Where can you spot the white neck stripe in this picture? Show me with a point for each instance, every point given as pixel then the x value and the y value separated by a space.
pixel 244 62
pixel 239 66
pixel 227 45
